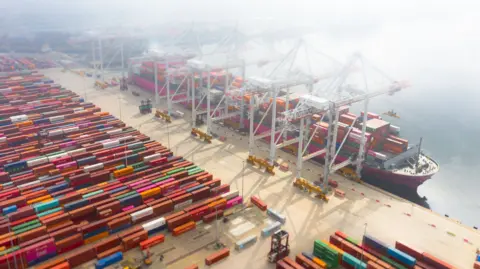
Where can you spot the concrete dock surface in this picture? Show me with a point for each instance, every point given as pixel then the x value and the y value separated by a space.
pixel 364 209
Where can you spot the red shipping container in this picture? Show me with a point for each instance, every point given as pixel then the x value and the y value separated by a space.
pixel 259 203
pixel 162 208
pixel 56 217
pixel 197 214
pixel 224 188
pixel 94 226
pixel 212 216
pixel 432 260
pixel 64 232
pixel 182 198
pixel 180 220
pixel 283 265
pixel 32 234
pixel 134 240
pixel 112 204
pixel 305 262
pixel 292 263
pixel 110 242
pixel 208 177
pixel 158 239
pixel 216 257
pixel 51 263
pixel 80 256
pixel 119 221
pixel 69 197
pixel 212 183
pixel 110 252
pixel 82 212
pixel 130 231
pixel 408 250
pixel 22 212
pixel 201 194
pixel 99 197
pixel 68 243
pixel 157 201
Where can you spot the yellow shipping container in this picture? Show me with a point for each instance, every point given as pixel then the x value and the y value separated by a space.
pixel 151 192
pixel 96 237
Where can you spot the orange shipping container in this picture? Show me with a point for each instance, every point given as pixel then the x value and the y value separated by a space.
pixel 184 228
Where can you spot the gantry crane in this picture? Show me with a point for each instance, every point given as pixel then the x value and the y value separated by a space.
pixel 270 87
pixel 311 104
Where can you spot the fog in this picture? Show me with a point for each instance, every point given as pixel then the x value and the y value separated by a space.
pixel 432 44
pixel 424 41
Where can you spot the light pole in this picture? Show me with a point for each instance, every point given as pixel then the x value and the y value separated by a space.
pixel 243 176
pixel 168 134
pixel 120 107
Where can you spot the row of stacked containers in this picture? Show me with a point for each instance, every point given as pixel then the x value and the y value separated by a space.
pixel 341 251
pixel 9 64
pixel 77 181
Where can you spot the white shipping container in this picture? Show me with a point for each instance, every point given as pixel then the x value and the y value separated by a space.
pixel 381 156
pixel 111 144
pixel 71 129
pixel 230 195
pixel 394 129
pixel 154 224
pixel 71 152
pixel 18 118
pixel 58 156
pixel 142 213
pixel 34 102
pixel 114 132
pixel 183 204
pixel 3 139
pixel 56 118
pixel 94 167
pixel 152 157
pixel 355 136
pixel 55 132
pixel 38 161
pixel 28 184
pixel 78 109
pixel 6 90
pixel 121 139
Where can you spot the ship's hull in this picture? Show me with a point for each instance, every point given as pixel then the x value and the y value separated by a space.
pixel 380 177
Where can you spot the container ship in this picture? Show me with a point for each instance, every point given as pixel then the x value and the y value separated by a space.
pixel 390 159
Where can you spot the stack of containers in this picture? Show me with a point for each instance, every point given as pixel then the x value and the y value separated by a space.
pixel 73 176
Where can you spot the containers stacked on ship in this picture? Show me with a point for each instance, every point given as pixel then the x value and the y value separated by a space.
pixel 79 182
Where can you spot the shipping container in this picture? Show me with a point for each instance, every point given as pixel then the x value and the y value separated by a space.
pixel 216 257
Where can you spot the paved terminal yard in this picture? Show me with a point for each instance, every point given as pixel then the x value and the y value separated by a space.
pixel 364 209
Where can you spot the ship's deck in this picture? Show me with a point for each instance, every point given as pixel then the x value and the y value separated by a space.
pixel 431 167
pixel 382 215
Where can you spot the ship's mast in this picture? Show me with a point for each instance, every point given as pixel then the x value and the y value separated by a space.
pixel 418 154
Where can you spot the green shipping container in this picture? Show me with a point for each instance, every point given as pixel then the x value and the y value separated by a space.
pixel 126 195
pixel 26 224
pixel 26 229
pixel 48 212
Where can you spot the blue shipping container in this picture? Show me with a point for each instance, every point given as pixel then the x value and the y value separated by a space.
pixel 401 256
pixel 114 258
pixel 76 204
pixel 375 244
